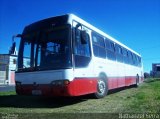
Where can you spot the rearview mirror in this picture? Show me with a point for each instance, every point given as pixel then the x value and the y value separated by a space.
pixel 13 47
pixel 81 33
pixel 84 37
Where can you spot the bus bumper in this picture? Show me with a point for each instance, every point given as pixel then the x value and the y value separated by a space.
pixel 76 87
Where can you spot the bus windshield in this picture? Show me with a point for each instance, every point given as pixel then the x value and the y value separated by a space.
pixel 47 49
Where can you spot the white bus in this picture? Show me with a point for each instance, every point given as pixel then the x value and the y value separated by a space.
pixel 70 57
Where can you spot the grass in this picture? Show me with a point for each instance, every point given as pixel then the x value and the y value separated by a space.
pixel 144 99
pixel 7 93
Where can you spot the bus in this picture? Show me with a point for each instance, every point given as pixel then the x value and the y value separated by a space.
pixel 69 57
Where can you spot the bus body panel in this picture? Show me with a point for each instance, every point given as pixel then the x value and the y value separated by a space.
pixel 82 80
pixel 76 87
pixel 44 77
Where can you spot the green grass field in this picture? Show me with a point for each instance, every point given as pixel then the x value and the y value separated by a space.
pixel 144 99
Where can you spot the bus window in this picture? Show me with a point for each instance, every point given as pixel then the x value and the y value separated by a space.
pixel 107 44
pixel 139 63
pixel 110 49
pixel 82 51
pixel 98 45
pixel 130 57
pixel 119 55
pixel 125 55
pixel 134 59
pixel 137 60
pixel 80 48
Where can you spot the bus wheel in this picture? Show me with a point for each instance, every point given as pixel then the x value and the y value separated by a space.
pixel 101 88
pixel 137 81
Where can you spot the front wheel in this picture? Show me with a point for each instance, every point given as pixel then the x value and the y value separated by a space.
pixel 102 88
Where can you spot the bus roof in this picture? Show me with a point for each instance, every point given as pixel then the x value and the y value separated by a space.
pixel 76 18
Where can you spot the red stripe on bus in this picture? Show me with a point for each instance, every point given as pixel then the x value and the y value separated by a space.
pixel 77 87
pixel 82 86
pixel 116 82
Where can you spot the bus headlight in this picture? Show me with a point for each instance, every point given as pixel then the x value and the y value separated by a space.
pixel 66 82
pixel 60 82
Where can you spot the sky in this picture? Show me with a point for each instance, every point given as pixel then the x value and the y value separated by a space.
pixel 135 23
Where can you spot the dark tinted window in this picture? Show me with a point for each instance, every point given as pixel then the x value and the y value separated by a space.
pixel 110 49
pixel 129 57
pixel 82 51
pixel 118 49
pixel 119 55
pixel 47 49
pixel 109 45
pixel 124 52
pixel 98 40
pixel 134 59
pixel 125 55
pixel 139 61
pixel 158 68
pixel 98 45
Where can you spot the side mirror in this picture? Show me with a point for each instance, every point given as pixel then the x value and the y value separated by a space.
pixel 13 47
pixel 84 37
pixel 81 34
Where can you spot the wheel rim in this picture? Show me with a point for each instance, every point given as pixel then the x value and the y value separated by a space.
pixel 101 86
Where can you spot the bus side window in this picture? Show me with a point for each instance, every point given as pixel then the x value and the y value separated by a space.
pixel 139 63
pixel 125 56
pixel 80 48
pixel 82 52
pixel 134 59
pixel 110 49
pixel 118 53
pixel 130 58
pixel 98 45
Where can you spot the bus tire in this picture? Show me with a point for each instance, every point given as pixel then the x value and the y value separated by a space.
pixel 102 87
pixel 137 81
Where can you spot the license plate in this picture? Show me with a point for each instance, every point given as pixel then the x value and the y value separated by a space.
pixel 36 92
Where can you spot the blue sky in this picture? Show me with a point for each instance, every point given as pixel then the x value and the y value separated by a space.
pixel 136 23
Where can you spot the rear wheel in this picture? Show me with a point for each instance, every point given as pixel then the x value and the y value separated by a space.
pixel 137 81
pixel 102 88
